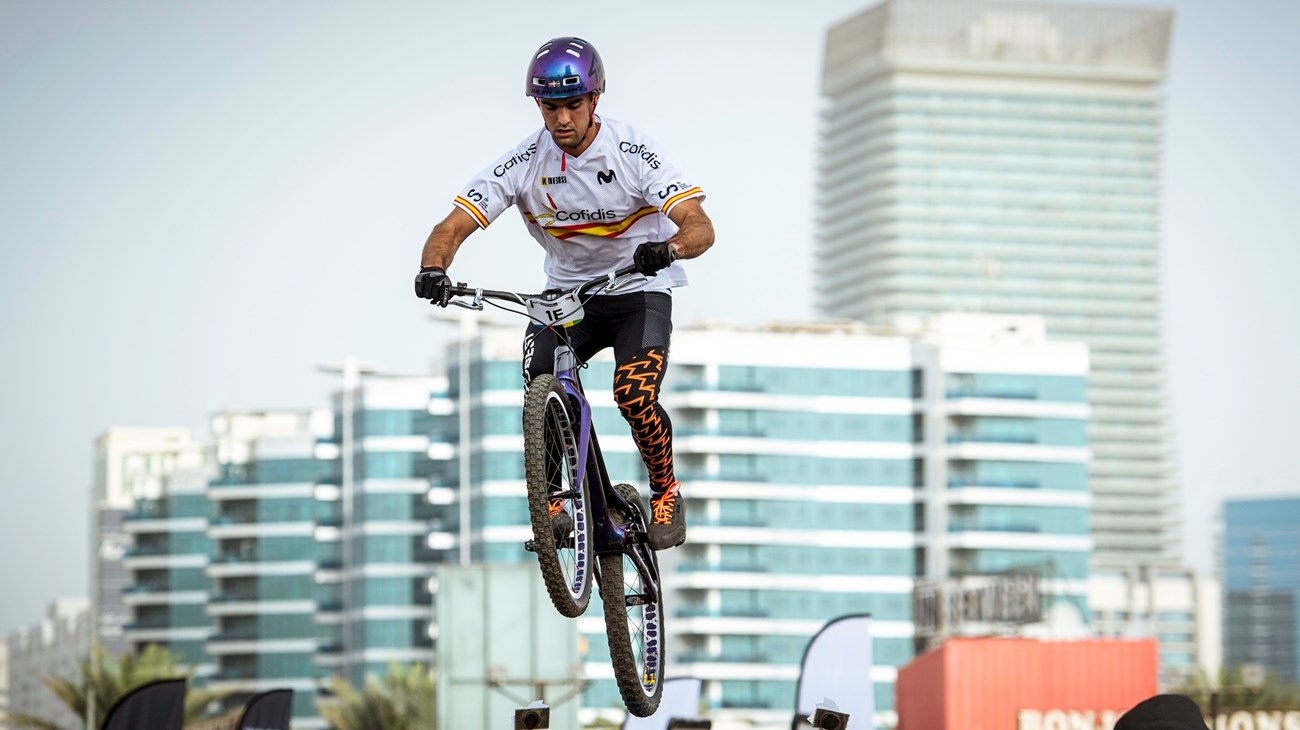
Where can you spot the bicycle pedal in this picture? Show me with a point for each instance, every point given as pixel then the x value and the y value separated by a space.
pixel 530 547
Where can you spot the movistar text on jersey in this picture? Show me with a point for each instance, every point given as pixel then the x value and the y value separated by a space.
pixel 518 159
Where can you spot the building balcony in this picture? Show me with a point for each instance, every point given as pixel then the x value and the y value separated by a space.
pixel 995 483
pixel 245 634
pixel 980 438
pixel 1003 393
pixel 148 624
pixel 238 597
pixel 733 432
pixel 727 476
pixel 149 551
pixel 745 567
pixel 706 612
pixel 1027 527
pixel 735 658
pixel 151 587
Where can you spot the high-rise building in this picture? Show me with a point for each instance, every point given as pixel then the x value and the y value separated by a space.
pixel 127 460
pixel 398 453
pixel 169 554
pixel 307 550
pixel 271 610
pixel 1261 580
pixel 980 155
pixel 826 468
pixel 55 647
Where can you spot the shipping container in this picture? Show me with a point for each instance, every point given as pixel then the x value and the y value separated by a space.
pixel 1025 684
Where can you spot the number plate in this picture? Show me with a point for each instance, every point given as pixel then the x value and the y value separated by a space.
pixel 564 310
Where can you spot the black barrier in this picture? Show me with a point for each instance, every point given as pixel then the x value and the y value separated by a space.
pixel 157 705
pixel 268 710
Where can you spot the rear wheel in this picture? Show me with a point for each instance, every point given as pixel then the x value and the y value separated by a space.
pixel 562 544
pixel 634 620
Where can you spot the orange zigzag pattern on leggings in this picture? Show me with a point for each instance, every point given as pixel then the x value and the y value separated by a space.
pixel 636 391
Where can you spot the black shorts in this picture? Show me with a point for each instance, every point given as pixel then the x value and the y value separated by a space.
pixel 629 323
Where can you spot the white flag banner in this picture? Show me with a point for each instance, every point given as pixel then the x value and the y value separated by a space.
pixel 837 666
pixel 680 701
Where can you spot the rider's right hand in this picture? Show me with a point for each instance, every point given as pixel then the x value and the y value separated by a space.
pixel 433 283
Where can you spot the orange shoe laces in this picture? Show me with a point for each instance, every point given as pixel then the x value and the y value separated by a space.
pixel 662 506
pixel 555 507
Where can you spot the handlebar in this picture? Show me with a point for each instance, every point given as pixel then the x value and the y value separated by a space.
pixel 610 281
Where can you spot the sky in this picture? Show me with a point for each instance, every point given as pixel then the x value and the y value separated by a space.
pixel 201 201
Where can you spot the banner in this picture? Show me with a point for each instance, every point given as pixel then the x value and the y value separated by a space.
pixel 268 710
pixel 837 666
pixel 680 701
pixel 158 705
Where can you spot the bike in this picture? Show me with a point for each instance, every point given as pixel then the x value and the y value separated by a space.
pixel 562 460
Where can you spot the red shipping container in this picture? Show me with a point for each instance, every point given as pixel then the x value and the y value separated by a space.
pixel 1025 684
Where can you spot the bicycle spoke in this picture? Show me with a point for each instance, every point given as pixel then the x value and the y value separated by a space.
pixel 557 501
pixel 634 619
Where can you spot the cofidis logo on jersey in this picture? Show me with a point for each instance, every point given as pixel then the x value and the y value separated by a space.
pixel 518 159
pixel 640 150
pixel 586 215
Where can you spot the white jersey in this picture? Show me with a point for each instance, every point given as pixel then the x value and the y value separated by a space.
pixel 588 212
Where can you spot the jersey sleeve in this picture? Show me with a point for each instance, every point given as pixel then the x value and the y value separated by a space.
pixel 664 182
pixel 494 189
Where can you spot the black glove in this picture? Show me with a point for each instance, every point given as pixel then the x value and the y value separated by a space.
pixel 433 283
pixel 650 257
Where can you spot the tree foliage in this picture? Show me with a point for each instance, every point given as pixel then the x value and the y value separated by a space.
pixel 1234 694
pixel 402 700
pixel 108 680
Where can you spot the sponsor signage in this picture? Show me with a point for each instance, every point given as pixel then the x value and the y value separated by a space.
pixel 1106 719
pixel 944 608
pixel 1067 719
pixel 1258 720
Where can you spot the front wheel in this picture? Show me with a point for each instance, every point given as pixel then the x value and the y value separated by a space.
pixel 562 542
pixel 633 619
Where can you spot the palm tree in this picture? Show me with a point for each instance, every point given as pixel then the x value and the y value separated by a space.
pixel 403 700
pixel 109 680
pixel 1230 690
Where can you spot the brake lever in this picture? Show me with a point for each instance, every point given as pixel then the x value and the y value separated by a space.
pixel 615 282
pixel 476 305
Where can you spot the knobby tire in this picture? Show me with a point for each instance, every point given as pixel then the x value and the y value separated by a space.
pixel 550 466
pixel 635 632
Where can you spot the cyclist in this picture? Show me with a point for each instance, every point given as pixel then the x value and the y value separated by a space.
pixel 597 194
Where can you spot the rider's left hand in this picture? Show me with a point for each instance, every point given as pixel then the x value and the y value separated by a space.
pixel 433 283
pixel 653 256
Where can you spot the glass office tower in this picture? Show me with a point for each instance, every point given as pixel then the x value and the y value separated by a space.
pixel 1005 157
pixel 1261 578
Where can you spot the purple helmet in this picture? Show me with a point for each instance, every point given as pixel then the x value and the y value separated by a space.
pixel 565 67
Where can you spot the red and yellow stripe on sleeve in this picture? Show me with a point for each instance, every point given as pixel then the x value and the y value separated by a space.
pixel 679 198
pixel 473 210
